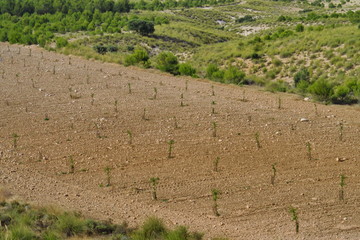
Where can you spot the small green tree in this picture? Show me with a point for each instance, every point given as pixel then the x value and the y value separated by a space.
pixel 186 69
pixel 142 27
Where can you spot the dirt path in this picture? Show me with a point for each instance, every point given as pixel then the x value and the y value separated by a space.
pixel 83 110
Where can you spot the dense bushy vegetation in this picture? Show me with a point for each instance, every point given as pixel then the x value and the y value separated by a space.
pixel 22 221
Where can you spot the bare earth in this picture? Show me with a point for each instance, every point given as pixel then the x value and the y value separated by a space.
pixel 96 137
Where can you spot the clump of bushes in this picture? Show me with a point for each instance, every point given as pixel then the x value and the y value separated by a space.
pixel 167 62
pixel 102 49
pixel 230 75
pixel 139 57
pixel 22 221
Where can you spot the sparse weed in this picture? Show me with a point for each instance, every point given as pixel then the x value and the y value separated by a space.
pixel 212 90
pixel 129 88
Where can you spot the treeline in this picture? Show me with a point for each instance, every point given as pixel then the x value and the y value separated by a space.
pixel 21 7
pixel 40 29
pixel 169 4
pixel 353 16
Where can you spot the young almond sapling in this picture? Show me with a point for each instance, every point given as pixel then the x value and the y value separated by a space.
pixel 116 105
pixel 342 185
pixel 108 176
pixel 294 217
pixel 308 148
pixel 213 103
pixel 171 143
pixel 215 195
pixel 216 164
pixel 341 129
pixel 274 174
pixel 257 139
pixel 72 164
pixel 214 127
pixel 130 135
pixel 15 140
pixel 154 182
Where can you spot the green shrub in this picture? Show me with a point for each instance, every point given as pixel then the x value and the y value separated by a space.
pixel 140 56
pixel 153 228
pixel 141 26
pixel 299 28
pixel 302 75
pixel 61 42
pixel 70 225
pixel 101 49
pixel 186 69
pixel 167 62
pixel 277 86
pixel 322 89
pixel 21 232
pixel 234 75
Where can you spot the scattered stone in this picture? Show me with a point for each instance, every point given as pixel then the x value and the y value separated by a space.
pixel 307 99
pixel 340 159
pixel 304 120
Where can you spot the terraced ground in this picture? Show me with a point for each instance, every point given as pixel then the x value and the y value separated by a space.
pixel 59 108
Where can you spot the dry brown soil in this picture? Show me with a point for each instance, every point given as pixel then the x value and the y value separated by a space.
pixel 95 135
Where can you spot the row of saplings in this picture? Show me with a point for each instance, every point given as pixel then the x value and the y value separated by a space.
pixel 214 192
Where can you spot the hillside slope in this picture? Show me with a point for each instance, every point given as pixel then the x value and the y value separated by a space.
pixel 55 108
